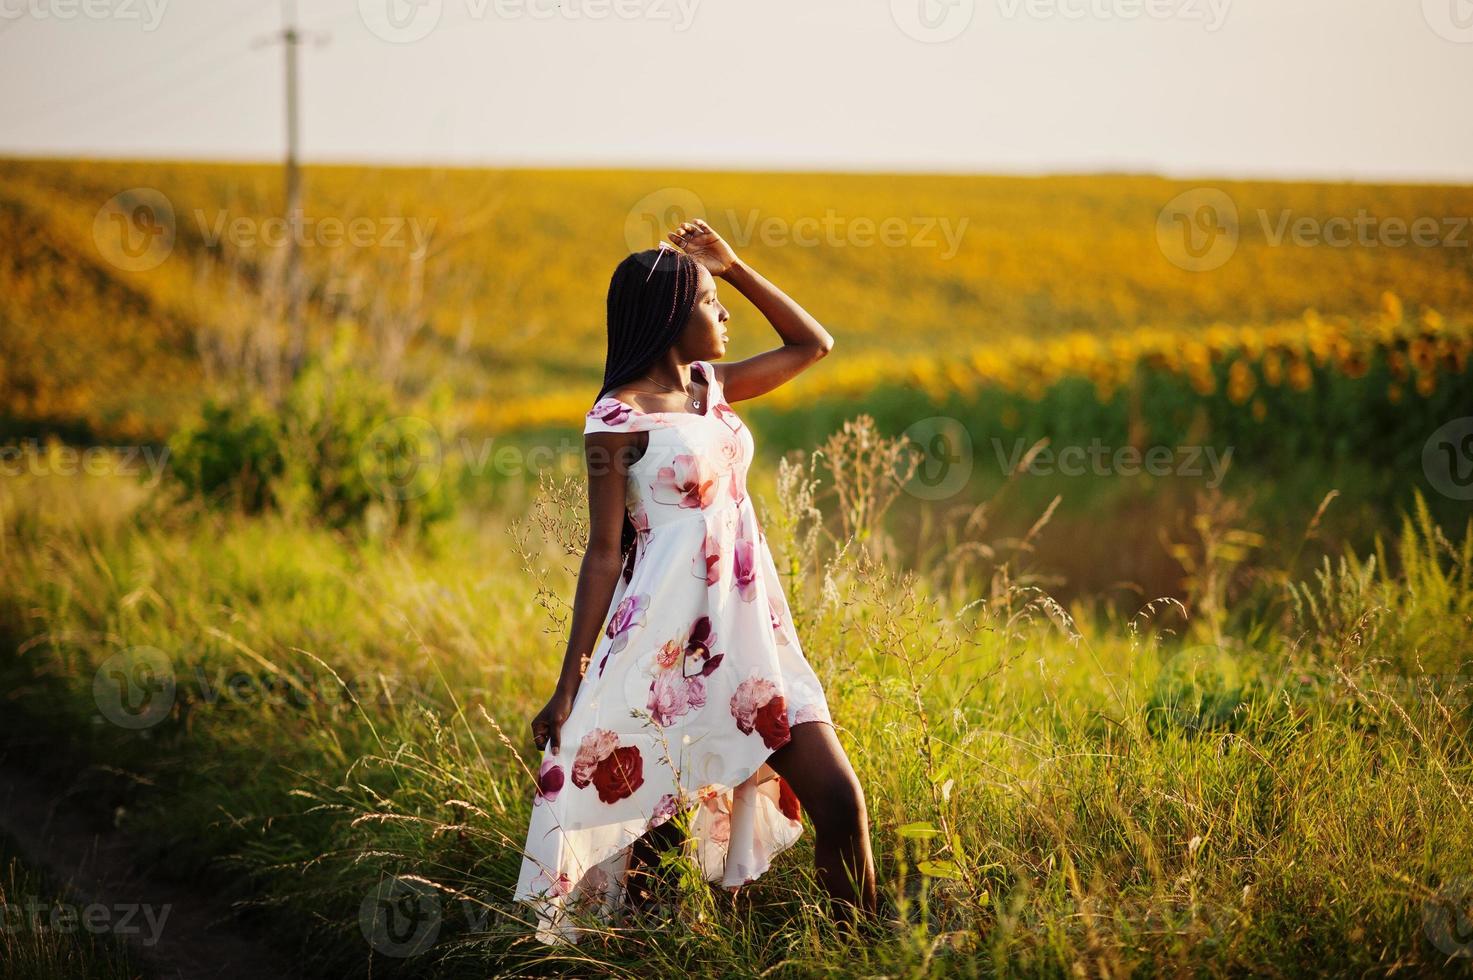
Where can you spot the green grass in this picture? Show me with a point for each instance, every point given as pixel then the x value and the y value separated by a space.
pixel 1273 777
pixel 45 933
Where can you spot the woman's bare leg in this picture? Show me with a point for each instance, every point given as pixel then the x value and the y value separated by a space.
pixel 817 768
pixel 642 879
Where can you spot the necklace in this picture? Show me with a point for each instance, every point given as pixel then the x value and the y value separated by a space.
pixel 694 401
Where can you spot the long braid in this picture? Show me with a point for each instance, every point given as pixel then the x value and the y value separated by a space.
pixel 651 295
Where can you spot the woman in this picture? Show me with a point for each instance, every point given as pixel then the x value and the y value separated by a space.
pixel 693 714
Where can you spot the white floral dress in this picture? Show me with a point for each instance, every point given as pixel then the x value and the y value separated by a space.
pixel 697 678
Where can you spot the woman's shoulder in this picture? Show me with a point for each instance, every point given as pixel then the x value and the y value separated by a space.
pixel 609 414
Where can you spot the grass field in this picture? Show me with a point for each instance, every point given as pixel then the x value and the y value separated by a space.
pixel 1211 720
pixel 1272 786
pixel 46 933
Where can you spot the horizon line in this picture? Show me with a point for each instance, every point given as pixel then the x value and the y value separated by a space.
pixel 1043 171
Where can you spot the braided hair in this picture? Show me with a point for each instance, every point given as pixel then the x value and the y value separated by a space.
pixel 651 295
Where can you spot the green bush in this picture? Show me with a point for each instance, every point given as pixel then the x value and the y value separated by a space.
pixel 340 449
pixel 231 455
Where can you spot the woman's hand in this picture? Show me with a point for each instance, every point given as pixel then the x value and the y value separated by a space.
pixel 697 240
pixel 548 724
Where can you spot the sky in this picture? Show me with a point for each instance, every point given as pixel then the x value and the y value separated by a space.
pixel 1327 89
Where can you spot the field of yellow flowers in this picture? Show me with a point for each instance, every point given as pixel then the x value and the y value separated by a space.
pixel 492 281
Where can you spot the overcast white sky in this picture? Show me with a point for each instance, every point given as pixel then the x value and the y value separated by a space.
pixel 1365 89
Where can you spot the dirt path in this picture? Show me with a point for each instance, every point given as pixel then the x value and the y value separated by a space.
pixel 194 934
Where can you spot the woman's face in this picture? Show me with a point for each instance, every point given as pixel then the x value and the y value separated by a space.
pixel 705 331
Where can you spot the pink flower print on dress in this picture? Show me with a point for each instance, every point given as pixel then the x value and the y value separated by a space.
pixel 774 608
pixel 629 614
pixel 629 562
pixel 707 562
pixel 610 411
pixel 596 745
pixel 729 453
pixel 680 684
pixel 664 810
pixel 673 695
pixel 744 565
pixel 725 413
pixel 669 654
pixel 687 482
pixel 553 888
pixel 698 661
pixel 720 820
pixel 758 706
pixel 615 771
pixel 641 522
pixel 809 712
pixel 550 780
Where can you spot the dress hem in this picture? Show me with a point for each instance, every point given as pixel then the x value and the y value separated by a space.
pixel 562 924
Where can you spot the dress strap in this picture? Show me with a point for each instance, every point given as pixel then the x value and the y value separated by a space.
pixel 714 394
pixel 609 414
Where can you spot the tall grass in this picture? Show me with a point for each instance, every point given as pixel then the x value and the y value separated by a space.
pixel 1278 784
pixel 46 933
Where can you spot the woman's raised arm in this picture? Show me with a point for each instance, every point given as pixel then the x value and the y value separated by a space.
pixel 804 338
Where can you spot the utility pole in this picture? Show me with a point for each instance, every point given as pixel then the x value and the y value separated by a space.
pixel 291 38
